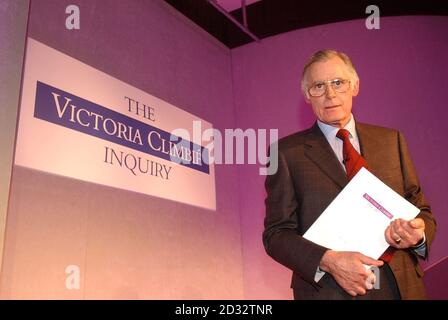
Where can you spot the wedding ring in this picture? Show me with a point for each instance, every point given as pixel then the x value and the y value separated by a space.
pixel 397 241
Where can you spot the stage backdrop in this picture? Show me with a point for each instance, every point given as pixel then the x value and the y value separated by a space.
pixel 125 244
pixel 13 21
pixel 80 227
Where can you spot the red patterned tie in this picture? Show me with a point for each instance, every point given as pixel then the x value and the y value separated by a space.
pixel 353 162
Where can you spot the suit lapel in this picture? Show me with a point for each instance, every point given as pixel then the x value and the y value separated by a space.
pixel 320 152
pixel 370 147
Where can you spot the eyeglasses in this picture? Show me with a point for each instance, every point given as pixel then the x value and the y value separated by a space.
pixel 320 88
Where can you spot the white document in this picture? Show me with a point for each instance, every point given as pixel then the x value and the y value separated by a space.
pixel 359 215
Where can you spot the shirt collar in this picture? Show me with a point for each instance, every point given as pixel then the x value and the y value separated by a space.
pixel 330 131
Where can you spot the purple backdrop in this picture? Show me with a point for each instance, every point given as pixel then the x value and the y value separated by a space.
pixel 177 251
pixel 128 245
pixel 403 71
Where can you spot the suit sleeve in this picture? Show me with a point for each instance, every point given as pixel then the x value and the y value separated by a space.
pixel 280 237
pixel 414 194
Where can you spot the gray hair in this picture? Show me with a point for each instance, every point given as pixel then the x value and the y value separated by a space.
pixel 324 55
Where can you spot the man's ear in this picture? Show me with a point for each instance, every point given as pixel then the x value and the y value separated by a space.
pixel 355 89
pixel 306 96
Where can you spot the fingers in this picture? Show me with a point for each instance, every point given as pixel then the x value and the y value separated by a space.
pixel 417 223
pixel 361 291
pixel 388 236
pixel 350 272
pixel 403 234
pixel 370 281
pixel 392 238
pixel 369 261
pixel 400 230
pixel 357 291
pixel 369 284
pixel 352 293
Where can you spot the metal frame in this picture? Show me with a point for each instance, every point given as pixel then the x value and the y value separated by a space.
pixel 243 26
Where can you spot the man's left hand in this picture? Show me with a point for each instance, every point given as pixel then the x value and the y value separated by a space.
pixel 402 234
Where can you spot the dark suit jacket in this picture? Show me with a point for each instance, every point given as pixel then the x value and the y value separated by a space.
pixel 309 177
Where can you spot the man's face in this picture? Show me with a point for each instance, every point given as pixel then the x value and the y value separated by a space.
pixel 333 108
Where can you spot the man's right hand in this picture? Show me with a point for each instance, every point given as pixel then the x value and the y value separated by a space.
pixel 347 268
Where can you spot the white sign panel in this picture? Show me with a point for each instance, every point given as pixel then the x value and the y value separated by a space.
pixel 79 122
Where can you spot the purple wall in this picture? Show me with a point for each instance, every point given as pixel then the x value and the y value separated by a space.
pixel 134 246
pixel 403 71
pixel 13 21
pixel 128 245
pixel 436 279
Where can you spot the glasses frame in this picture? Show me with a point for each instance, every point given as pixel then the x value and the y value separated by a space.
pixel 327 83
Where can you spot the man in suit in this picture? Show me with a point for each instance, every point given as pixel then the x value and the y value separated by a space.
pixel 314 166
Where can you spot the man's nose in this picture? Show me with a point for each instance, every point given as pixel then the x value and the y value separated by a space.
pixel 330 92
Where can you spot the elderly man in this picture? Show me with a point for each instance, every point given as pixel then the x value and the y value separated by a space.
pixel 314 166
